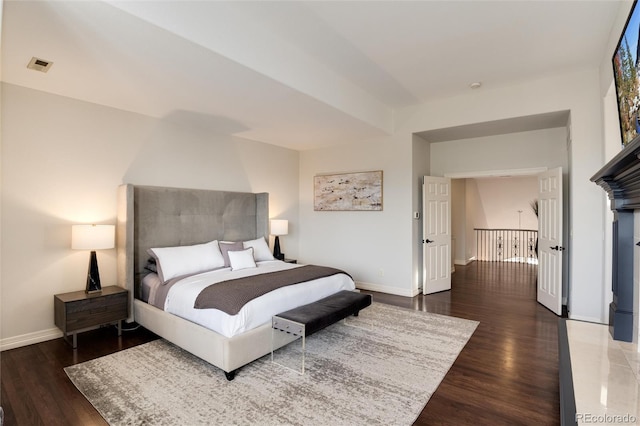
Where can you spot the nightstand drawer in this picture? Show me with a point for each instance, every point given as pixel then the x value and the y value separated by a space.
pixel 96 316
pixel 97 304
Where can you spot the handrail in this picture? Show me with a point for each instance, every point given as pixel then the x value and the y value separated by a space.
pixel 504 229
pixel 506 245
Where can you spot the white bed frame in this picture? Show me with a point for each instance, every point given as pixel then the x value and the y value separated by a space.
pixel 156 217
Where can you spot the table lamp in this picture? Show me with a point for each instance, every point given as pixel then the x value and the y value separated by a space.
pixel 93 237
pixel 278 227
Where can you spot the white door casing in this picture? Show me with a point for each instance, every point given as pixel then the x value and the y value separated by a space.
pixel 550 246
pixel 436 234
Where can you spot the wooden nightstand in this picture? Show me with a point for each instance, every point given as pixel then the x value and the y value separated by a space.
pixel 78 310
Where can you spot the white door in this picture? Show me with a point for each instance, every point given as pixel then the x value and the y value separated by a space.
pixel 550 247
pixel 436 234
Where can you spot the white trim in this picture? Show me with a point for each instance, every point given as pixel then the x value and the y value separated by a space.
pixel 387 289
pixel 586 319
pixel 29 339
pixel 463 262
pixel 497 173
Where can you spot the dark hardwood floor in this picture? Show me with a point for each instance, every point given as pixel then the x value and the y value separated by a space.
pixel 507 374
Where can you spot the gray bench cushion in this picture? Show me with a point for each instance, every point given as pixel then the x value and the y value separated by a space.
pixel 324 312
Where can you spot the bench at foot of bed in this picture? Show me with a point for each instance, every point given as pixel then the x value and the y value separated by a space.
pixel 305 320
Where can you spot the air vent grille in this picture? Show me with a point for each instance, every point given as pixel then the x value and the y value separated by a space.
pixel 38 64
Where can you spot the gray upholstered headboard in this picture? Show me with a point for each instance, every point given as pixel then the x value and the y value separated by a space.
pixel 151 216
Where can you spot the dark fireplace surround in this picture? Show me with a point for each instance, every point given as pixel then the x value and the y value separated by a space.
pixel 620 178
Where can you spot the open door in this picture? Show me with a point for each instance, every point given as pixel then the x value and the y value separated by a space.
pixel 436 234
pixel 550 248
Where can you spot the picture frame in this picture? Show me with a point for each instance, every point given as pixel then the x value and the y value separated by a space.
pixel 356 191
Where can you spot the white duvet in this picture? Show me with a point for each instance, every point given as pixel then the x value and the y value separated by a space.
pixel 183 294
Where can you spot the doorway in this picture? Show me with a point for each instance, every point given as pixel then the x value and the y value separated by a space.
pixel 491 216
pixel 488 207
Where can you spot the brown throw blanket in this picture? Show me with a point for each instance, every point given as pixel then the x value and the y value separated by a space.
pixel 230 296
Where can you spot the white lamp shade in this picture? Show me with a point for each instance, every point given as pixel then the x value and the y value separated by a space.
pixel 279 227
pixel 93 237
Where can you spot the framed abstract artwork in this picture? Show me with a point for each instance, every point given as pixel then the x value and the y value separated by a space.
pixel 348 191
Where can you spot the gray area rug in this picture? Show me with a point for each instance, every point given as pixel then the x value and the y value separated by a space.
pixel 378 368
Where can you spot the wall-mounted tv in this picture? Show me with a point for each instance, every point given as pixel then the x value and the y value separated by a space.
pixel 626 72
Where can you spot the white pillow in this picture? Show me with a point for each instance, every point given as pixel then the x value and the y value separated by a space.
pixel 176 261
pixel 260 249
pixel 241 259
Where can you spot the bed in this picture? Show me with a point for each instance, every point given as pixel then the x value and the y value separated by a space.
pixel 157 217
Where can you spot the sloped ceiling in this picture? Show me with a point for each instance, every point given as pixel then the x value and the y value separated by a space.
pixel 296 74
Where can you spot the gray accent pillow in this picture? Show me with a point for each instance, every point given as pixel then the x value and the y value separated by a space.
pixel 226 247
pixel 151 265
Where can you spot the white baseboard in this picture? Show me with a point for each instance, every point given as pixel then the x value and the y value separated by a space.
pixel 463 262
pixel 29 338
pixel 585 319
pixel 386 289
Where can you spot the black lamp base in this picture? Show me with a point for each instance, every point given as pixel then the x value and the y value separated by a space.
pixel 276 249
pixel 93 276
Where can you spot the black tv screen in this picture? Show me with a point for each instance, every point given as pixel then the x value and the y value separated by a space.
pixel 626 73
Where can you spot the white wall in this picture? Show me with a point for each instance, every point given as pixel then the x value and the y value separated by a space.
pixel 612 146
pixel 470 248
pixel 1 14
pixel 420 159
pixel 366 243
pixel 61 163
pixel 506 203
pixel 578 93
pixel 524 150
pixel 459 220
pixel 375 247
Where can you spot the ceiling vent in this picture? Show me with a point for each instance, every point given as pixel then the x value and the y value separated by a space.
pixel 39 64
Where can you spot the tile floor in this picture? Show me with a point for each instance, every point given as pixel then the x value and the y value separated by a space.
pixel 606 375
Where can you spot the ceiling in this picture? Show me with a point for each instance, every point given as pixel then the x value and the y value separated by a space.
pixel 296 74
